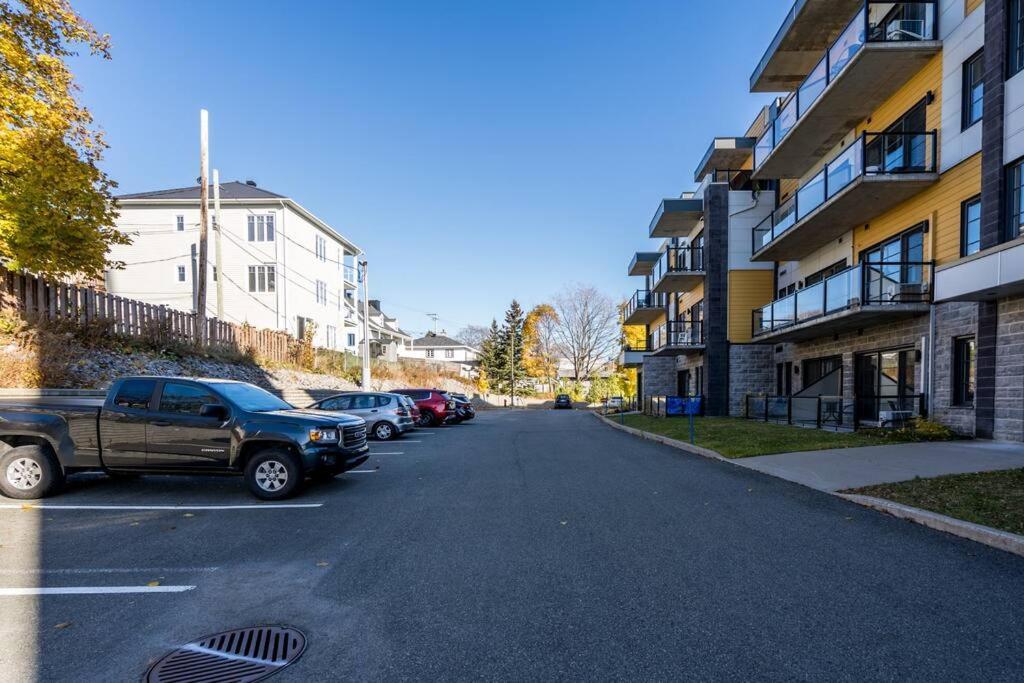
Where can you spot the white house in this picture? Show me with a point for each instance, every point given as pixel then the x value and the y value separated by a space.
pixel 283 268
pixel 387 339
pixel 437 348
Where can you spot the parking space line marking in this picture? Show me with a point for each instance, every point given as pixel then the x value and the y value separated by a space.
pixel 93 590
pixel 362 471
pixel 389 453
pixel 38 506
pixel 110 570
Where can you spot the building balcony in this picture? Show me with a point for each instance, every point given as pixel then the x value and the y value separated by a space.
pixel 867 294
pixel 632 356
pixel 677 217
pixel 643 262
pixel 986 276
pixel 676 337
pixel 877 53
pixel 644 307
pixel 725 153
pixel 679 269
pixel 350 275
pixel 874 174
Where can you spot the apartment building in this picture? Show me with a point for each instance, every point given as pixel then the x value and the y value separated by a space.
pixel 283 268
pixel 894 249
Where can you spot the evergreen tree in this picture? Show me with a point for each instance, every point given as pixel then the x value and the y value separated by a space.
pixel 504 356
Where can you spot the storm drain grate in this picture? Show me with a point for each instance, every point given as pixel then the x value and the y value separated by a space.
pixel 243 655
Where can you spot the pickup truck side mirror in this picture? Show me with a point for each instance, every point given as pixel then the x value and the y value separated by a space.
pixel 213 410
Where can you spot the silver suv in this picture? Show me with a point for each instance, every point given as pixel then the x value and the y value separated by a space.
pixel 386 415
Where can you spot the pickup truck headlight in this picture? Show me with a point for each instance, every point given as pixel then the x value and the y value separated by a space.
pixel 317 435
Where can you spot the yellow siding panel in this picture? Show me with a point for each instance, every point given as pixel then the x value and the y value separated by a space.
pixel 748 289
pixel 927 79
pixel 690 298
pixel 939 205
pixel 971 5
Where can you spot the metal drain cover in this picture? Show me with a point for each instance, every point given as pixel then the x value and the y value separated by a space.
pixel 243 655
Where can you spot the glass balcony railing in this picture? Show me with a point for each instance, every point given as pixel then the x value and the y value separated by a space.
pixel 877 22
pixel 645 300
pixel 871 154
pixel 678 260
pixel 867 284
pixel 349 273
pixel 677 334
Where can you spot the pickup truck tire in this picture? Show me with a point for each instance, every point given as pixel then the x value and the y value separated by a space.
pixel 384 431
pixel 273 474
pixel 29 472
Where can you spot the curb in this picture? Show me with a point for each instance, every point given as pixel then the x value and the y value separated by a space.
pixel 1003 540
pixel 994 538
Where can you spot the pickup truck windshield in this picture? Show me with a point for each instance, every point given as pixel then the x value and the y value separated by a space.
pixel 253 399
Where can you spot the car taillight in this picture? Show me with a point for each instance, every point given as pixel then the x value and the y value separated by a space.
pixel 402 412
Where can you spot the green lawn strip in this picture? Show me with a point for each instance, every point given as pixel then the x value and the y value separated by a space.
pixel 995 499
pixel 740 438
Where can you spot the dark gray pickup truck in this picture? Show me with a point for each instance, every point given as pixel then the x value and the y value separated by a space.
pixel 174 425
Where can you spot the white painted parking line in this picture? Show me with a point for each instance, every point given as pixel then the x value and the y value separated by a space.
pixel 160 571
pixel 47 506
pixel 390 453
pixel 93 590
pixel 362 472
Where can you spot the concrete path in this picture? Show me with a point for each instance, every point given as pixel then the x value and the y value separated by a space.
pixel 847 468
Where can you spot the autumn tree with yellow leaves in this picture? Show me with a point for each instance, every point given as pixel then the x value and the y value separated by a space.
pixel 56 209
pixel 541 359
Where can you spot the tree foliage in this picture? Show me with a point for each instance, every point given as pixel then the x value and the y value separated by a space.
pixel 503 354
pixel 587 332
pixel 541 359
pixel 473 335
pixel 56 209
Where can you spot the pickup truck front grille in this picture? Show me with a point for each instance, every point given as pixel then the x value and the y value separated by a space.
pixel 353 437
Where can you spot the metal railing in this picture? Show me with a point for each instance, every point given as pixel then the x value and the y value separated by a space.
pixel 877 22
pixel 677 334
pixel 678 260
pixel 870 155
pixel 738 180
pixel 644 299
pixel 836 412
pixel 868 283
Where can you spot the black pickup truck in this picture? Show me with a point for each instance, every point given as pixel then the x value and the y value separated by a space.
pixel 171 425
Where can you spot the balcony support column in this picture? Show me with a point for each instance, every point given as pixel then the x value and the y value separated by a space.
pixel 993 184
pixel 716 297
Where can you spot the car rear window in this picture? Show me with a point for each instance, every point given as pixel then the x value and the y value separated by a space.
pixel 383 401
pixel 415 395
pixel 135 393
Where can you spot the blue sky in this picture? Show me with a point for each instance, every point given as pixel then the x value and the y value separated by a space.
pixel 477 151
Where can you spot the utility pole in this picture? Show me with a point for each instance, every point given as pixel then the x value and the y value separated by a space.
pixel 204 210
pixel 366 327
pixel 512 364
pixel 216 245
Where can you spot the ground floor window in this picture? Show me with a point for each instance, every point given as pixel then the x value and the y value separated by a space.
pixel 784 379
pixel 815 369
pixel 964 371
pixel 885 383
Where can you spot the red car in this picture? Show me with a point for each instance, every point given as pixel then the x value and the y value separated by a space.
pixel 435 406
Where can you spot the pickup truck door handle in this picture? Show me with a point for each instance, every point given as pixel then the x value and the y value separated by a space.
pixel 160 423
pixel 374 410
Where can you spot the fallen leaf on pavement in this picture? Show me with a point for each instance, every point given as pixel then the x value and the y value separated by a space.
pixel 153 583
pixel 63 624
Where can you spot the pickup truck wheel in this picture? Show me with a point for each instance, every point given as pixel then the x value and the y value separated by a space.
pixel 29 472
pixel 273 474
pixel 384 431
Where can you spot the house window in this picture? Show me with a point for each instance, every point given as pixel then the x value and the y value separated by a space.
pixel 332 337
pixel 430 353
pixel 215 273
pixel 970 226
pixel 261 228
pixel 964 371
pixel 1015 179
pixel 351 339
pixel 179 223
pixel 321 292
pixel 181 273
pixel 974 91
pixel 449 353
pixel 321 248
pixel 1015 39
pixel 262 279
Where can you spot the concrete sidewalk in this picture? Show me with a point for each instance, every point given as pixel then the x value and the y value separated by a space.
pixel 848 468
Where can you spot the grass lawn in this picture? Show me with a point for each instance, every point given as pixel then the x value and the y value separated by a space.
pixel 995 499
pixel 736 437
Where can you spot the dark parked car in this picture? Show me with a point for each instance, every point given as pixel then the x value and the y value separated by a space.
pixel 464 409
pixel 174 425
pixel 435 406
pixel 387 415
pixel 563 402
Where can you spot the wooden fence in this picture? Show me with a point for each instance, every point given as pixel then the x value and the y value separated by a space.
pixel 39 300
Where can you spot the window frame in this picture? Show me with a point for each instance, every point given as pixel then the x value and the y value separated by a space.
pixel 965 206
pixel 179 223
pixel 967 113
pixel 964 385
pixel 1014 38
pixel 182 274
pixel 159 408
pixel 260 227
pixel 265 272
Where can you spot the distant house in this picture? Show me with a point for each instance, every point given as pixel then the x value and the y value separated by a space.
pixel 283 268
pixel 442 350
pixel 387 339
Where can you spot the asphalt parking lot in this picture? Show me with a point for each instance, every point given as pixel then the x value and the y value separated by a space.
pixel 524 544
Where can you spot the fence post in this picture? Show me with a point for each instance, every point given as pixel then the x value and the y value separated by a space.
pixel 766 407
pixel 817 414
pixel 789 410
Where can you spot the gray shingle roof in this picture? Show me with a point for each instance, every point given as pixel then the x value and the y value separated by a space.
pixel 436 340
pixel 230 190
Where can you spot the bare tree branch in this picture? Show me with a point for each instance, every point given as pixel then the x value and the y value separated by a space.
pixel 587 328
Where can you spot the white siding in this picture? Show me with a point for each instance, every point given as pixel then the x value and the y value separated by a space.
pixel 962 38
pixel 745 214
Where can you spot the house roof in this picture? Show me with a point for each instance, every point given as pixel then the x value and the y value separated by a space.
pixel 437 340
pixel 230 190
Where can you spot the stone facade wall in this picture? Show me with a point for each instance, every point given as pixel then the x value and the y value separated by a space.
pixel 1009 379
pixel 692 361
pixel 751 371
pixel 952 320
pixel 659 376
